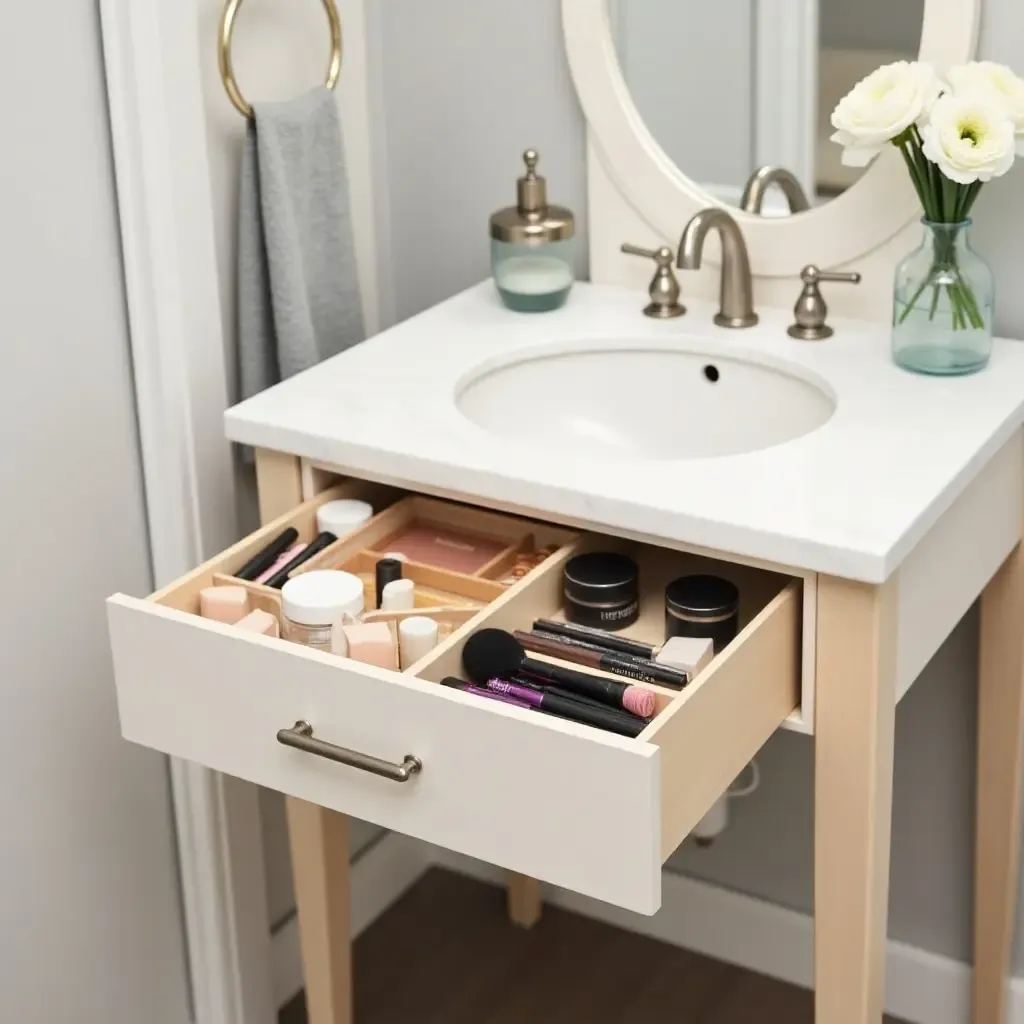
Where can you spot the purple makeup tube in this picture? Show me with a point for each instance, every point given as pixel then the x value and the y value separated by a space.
pixel 458 684
pixel 599 718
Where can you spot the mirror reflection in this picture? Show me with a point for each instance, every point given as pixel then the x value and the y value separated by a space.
pixel 705 79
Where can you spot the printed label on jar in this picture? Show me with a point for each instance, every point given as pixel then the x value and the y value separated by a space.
pixel 618 614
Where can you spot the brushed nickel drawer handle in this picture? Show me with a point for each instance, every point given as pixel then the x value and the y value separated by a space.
pixel 300 736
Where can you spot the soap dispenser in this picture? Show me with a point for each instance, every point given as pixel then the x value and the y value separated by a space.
pixel 532 247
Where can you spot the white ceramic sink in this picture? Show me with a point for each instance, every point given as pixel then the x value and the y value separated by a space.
pixel 645 402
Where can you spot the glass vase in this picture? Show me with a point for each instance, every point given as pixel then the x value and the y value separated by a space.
pixel 943 296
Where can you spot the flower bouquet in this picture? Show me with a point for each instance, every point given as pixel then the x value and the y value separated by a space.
pixel 954 134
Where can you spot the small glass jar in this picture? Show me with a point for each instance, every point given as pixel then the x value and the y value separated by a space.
pixel 313 603
pixel 533 247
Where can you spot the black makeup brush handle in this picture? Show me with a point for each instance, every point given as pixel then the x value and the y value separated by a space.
pixel 263 560
pixel 280 578
pixel 587 715
pixel 560 691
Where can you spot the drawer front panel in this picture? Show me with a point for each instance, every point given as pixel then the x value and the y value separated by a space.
pixel 560 802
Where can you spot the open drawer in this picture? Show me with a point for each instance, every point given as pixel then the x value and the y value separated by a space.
pixel 562 802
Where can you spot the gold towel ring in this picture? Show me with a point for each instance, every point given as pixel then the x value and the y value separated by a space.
pixel 227 70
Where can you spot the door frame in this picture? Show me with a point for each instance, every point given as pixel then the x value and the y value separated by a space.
pixel 160 117
pixel 170 268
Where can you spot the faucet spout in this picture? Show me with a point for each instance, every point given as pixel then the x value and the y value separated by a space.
pixel 737 288
pixel 763 178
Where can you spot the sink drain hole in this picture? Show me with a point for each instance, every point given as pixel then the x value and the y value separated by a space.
pixel 711 373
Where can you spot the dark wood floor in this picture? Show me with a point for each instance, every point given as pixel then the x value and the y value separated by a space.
pixel 446 954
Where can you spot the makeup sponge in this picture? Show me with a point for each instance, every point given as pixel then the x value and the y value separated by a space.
pixel 224 604
pixel 259 621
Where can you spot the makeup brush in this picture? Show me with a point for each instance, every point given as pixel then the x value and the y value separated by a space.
pixel 577 698
pixel 535 690
pixel 685 654
pixel 598 637
pixel 544 703
pixel 582 653
pixel 495 654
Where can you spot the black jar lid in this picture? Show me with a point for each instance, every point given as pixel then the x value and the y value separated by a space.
pixel 702 597
pixel 601 577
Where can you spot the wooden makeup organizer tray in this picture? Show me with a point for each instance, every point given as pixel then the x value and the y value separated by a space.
pixel 465 602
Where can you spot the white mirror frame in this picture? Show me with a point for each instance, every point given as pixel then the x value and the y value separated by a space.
pixel 628 168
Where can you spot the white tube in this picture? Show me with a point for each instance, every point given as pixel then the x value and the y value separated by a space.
pixel 417 637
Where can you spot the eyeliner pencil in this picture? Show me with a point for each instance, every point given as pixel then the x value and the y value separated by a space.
pixel 581 653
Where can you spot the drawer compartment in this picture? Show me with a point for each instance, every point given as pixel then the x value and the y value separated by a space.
pixel 563 802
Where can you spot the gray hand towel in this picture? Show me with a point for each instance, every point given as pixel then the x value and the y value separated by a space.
pixel 298 286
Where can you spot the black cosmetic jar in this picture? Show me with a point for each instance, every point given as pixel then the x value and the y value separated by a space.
pixel 602 590
pixel 702 606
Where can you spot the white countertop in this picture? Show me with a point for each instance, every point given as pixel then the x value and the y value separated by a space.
pixel 850 499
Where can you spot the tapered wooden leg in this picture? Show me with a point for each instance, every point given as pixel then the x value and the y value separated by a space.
pixel 320 866
pixel 853 761
pixel 1000 752
pixel 524 900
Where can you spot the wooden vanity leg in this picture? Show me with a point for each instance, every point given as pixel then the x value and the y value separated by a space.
pixel 998 812
pixel 524 900
pixel 853 762
pixel 318 837
pixel 320 867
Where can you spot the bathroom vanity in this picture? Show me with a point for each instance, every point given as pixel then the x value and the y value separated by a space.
pixel 858 537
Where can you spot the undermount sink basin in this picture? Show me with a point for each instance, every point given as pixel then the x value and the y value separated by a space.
pixel 643 402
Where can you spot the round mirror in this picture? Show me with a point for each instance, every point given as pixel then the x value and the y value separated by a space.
pixel 731 87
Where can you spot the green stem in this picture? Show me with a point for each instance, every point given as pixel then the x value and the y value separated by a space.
pixel 917 178
pixel 970 302
pixel 920 291
pixel 971 193
pixel 948 200
pixel 956 307
pixel 931 173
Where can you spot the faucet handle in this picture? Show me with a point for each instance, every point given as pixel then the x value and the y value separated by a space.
pixel 810 310
pixel 664 288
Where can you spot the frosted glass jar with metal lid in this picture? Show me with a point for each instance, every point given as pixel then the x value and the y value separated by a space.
pixel 313 603
pixel 533 247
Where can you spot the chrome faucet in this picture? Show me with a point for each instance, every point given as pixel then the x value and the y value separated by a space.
pixel 762 179
pixel 737 290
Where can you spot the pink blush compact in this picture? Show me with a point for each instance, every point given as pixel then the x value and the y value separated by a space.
pixel 445 549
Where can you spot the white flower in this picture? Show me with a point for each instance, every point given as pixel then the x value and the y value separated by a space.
pixel 970 137
pixel 882 106
pixel 997 81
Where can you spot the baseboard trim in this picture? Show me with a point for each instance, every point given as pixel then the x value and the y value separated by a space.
pixel 921 987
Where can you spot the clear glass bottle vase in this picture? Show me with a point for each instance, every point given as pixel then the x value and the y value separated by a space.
pixel 943 295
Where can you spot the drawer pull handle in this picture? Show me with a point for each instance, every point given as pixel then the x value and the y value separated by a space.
pixel 300 736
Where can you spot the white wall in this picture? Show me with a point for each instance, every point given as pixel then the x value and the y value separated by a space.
pixel 88 898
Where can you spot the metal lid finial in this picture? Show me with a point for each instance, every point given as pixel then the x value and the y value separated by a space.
pixel 532 221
